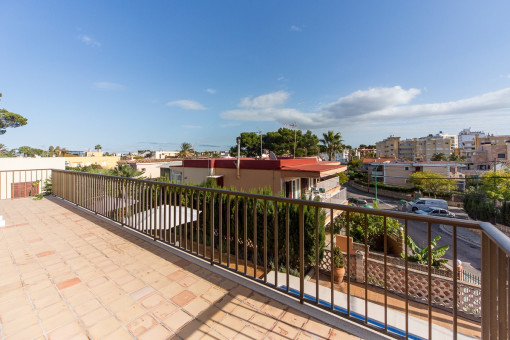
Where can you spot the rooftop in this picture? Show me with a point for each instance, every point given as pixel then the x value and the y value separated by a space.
pixel 68 274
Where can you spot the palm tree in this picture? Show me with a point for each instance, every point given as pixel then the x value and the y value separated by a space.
pixel 331 143
pixel 58 151
pixel 126 170
pixel 439 157
pixel 186 150
pixel 98 147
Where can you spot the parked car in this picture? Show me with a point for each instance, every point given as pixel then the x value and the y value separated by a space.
pixel 422 203
pixel 359 202
pixel 435 212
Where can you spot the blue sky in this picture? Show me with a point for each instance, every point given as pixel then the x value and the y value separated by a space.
pixel 132 75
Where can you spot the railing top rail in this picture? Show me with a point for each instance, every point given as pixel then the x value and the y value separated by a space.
pixel 497 236
pixel 325 205
pixel 14 170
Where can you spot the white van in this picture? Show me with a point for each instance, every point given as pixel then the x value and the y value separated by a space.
pixel 422 203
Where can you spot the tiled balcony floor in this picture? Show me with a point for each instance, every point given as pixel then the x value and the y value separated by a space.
pixel 68 275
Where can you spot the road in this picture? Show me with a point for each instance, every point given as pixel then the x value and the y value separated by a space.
pixel 467 252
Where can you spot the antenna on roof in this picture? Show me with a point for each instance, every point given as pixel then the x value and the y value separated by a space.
pixel 294 125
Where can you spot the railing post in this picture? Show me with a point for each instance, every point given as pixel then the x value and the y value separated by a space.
pixel 485 287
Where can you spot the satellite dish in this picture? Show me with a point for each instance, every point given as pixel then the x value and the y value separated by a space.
pixel 272 156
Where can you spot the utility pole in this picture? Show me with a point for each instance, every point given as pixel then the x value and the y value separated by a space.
pixel 260 133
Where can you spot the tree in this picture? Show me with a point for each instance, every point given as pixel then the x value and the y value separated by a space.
pixel 342 177
pixel 453 157
pixel 421 255
pixel 432 182
pixel 126 170
pixel 496 185
pixel 186 150
pixel 331 143
pixel 438 157
pixel 98 147
pixel 10 120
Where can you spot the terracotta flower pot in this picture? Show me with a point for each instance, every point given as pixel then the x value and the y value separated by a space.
pixel 339 274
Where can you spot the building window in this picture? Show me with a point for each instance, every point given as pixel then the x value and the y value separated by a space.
pixel 406 168
pixel 501 155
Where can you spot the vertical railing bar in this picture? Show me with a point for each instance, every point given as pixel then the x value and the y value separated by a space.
pixel 255 243
pixel 185 219
pixel 204 225
pixel 317 254
pixel 348 233
pixel 493 249
pixel 455 273
pixel 332 264
pixel 220 229
pixel 245 240
pixel 179 208
pixel 236 233
pixel 301 254
pixel 228 229
pixel 264 239
pixel 385 275
pixel 211 218
pixel 366 270
pixel 192 223
pixel 429 283
pixel 406 278
pixel 287 251
pixel 486 274
pixel 166 216
pixel 275 238
pixel 175 216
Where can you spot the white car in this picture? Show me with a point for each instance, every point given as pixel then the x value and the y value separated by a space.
pixel 435 212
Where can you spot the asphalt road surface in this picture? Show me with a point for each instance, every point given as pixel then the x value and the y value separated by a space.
pixel 467 252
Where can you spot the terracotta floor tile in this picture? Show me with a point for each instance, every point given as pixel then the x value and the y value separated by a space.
pixel 263 321
pixel 211 316
pixel 187 281
pixel 250 332
pixel 244 312
pixel 177 320
pixel 316 328
pixel 197 306
pixel 274 309
pixel 212 295
pixel 283 331
pixel 132 286
pixel 96 281
pixel 164 309
pixel 294 317
pixel 68 283
pixel 57 320
pixel 120 333
pixel 141 324
pixel 183 298
pixel 155 333
pixel 95 316
pixel 104 327
pixel 194 330
pixel 27 332
pixel 256 300
pixel 172 290
pixel 139 294
pixel 66 332
pixel 86 307
pixel 130 313
pixel 152 300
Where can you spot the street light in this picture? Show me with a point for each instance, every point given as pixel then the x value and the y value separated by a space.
pixel 377 166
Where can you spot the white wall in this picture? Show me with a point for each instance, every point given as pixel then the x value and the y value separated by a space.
pixel 28 163
pixel 17 170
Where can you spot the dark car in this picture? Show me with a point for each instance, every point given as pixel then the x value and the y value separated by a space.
pixel 359 202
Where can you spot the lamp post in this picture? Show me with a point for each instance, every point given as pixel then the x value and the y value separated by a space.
pixel 377 166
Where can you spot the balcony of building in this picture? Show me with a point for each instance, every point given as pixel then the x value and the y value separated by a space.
pixel 109 257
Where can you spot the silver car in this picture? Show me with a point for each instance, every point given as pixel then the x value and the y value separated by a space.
pixel 435 212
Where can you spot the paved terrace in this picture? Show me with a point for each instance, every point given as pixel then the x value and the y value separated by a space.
pixel 66 274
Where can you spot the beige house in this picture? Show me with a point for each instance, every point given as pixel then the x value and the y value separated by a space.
pixel 92 158
pixel 397 173
pixel 422 148
pixel 487 155
pixel 288 177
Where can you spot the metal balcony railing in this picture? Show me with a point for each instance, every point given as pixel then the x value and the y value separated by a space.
pixel 281 243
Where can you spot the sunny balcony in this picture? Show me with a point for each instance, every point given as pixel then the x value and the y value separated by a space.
pixel 111 257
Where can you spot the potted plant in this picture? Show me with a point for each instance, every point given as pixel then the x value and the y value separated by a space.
pixel 339 265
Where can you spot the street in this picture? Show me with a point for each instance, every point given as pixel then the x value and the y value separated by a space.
pixel 468 252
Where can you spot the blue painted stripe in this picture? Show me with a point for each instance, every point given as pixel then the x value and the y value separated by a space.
pixel 378 324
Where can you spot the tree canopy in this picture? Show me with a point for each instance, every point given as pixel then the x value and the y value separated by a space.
pixel 186 150
pixel 10 120
pixel 280 142
pixel 432 182
pixel 496 185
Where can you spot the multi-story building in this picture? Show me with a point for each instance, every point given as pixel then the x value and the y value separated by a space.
pixel 467 144
pixel 422 148
pixel 488 155
pixel 388 148
pixel 92 158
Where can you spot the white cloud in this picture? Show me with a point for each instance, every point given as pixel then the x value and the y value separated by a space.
pixel 295 28
pixel 108 86
pixel 372 106
pixel 187 104
pixel 266 100
pixel 89 41
pixel 211 91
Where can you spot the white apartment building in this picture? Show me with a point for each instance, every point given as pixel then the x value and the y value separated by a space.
pixel 467 143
